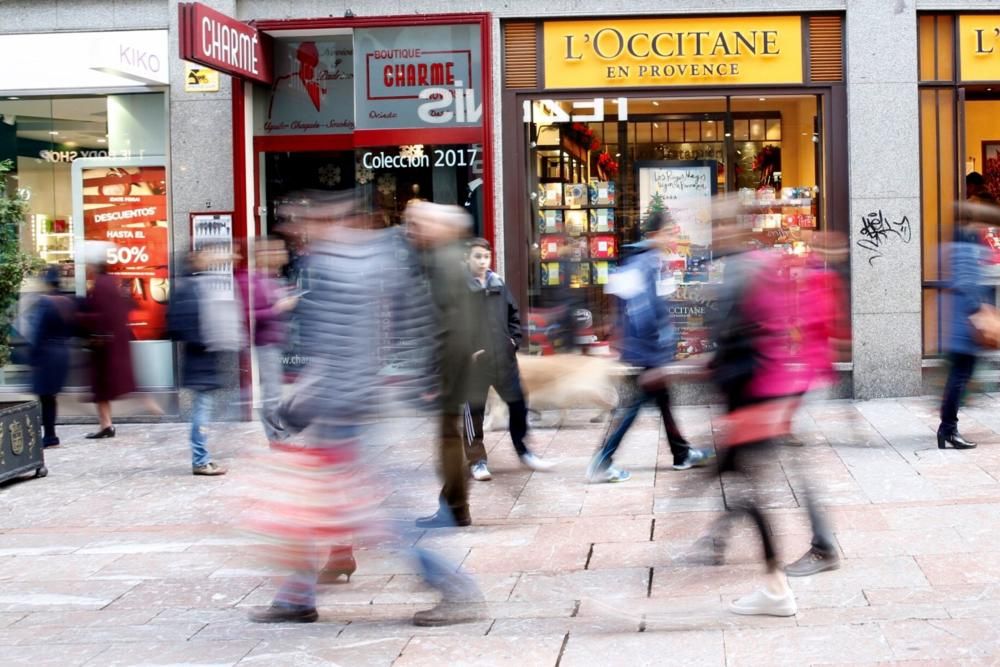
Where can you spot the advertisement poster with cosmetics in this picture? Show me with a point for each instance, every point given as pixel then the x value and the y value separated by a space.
pixel 127 206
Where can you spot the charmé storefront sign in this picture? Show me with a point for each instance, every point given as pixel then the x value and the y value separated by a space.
pixel 673 52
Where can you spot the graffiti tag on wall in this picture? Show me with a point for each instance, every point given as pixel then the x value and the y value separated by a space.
pixel 878 231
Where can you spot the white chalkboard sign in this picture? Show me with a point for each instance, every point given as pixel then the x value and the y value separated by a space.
pixel 686 187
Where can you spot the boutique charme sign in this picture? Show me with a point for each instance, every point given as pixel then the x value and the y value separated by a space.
pixel 979 46
pixel 418 76
pixel 673 52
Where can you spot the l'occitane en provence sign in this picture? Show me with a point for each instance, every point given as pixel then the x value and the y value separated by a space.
pixel 979 47
pixel 673 52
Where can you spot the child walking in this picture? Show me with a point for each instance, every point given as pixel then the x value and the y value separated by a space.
pixel 497 336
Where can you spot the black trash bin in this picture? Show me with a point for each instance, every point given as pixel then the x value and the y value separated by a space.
pixel 21 440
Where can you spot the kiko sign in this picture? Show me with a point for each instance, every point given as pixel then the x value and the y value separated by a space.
pixel 215 40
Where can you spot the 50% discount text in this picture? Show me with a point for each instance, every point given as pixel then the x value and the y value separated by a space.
pixel 128 255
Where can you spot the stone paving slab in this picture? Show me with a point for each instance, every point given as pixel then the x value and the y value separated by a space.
pixel 121 557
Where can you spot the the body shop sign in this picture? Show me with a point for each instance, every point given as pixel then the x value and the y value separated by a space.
pixel 221 42
pixel 418 76
pixel 673 52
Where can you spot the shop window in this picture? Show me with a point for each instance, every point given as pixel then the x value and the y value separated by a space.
pixel 389 178
pixel 764 152
pixel 43 137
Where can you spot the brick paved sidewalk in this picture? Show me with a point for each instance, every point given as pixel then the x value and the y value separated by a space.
pixel 121 557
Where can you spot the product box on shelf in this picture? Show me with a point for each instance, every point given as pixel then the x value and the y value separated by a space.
pixel 575 194
pixel 576 249
pixel 602 193
pixel 575 222
pixel 550 274
pixel 550 194
pixel 579 274
pixel 550 247
pixel 602 219
pixel 603 247
pixel 550 221
pixel 601 270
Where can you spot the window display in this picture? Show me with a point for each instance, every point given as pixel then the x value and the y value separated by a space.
pixel 44 138
pixel 593 184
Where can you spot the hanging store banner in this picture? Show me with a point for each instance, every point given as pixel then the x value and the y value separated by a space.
pixel 418 76
pixel 979 47
pixel 313 89
pixel 127 206
pixel 212 39
pixel 673 52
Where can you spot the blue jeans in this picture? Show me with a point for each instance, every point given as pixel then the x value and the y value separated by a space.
pixel 201 410
pixel 625 415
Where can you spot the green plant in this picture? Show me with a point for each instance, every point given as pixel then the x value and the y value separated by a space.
pixel 14 264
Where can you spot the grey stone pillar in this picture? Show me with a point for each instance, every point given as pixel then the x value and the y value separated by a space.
pixel 201 170
pixel 884 152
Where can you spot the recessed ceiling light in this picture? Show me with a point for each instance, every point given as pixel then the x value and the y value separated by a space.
pixel 655 103
pixel 13 97
pixel 102 140
pixel 656 124
pixel 53 132
pixel 763 99
pixel 729 134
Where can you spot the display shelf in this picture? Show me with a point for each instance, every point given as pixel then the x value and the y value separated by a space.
pixel 778 203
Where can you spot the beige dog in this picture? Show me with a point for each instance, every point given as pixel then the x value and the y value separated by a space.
pixel 561 382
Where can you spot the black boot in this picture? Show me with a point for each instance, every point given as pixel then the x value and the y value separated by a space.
pixel 955 440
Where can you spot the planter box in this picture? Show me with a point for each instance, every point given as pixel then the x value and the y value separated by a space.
pixel 21 440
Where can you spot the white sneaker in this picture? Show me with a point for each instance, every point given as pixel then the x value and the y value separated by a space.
pixel 763 603
pixel 536 462
pixel 611 475
pixel 480 472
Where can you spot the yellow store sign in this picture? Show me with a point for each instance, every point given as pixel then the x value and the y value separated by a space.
pixel 673 52
pixel 979 46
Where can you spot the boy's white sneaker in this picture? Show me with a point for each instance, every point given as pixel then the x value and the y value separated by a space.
pixel 536 462
pixel 763 603
pixel 480 472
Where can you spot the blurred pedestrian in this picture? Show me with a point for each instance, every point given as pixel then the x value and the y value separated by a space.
pixel 439 233
pixel 965 297
pixel 104 319
pixel 759 369
pixel 822 331
pixel 272 304
pixel 207 324
pixel 497 335
pixel 323 494
pixel 53 327
pixel 645 339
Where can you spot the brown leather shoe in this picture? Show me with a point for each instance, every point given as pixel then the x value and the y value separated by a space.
pixel 209 470
pixel 450 611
